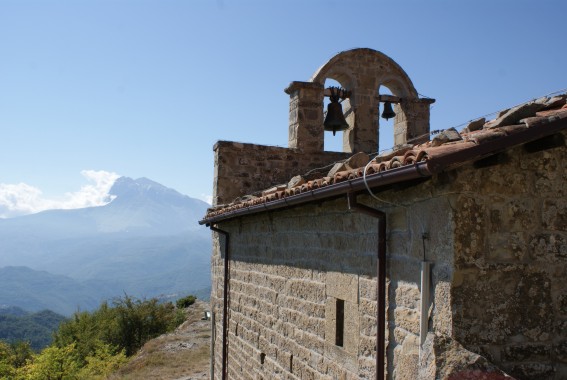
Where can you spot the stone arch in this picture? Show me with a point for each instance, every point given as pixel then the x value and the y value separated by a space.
pixel 362 72
pixel 363 68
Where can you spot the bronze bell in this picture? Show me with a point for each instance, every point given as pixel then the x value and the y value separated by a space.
pixel 388 111
pixel 335 119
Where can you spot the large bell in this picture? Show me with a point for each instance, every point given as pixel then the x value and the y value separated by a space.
pixel 335 119
pixel 388 111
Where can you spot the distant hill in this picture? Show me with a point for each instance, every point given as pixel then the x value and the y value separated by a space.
pixel 32 290
pixel 12 310
pixel 145 243
pixel 37 328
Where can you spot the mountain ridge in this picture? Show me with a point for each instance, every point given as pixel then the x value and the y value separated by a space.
pixel 127 211
pixel 146 242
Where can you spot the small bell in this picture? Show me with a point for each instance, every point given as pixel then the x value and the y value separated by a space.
pixel 388 111
pixel 335 119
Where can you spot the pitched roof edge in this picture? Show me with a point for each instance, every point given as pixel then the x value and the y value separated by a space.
pixel 545 127
pixel 397 175
pixel 434 165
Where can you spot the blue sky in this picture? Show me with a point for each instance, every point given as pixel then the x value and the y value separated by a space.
pixel 94 89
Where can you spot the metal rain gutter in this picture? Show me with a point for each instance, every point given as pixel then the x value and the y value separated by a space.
pixel 401 174
pixel 536 130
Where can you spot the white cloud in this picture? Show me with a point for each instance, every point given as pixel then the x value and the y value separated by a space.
pixel 21 199
pixel 207 198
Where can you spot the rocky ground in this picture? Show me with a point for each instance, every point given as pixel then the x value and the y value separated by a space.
pixel 180 355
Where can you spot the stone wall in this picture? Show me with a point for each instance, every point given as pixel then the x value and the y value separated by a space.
pixel 509 290
pixel 499 263
pixel 242 169
pixel 289 268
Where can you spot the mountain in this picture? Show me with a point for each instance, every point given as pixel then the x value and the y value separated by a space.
pixel 145 243
pixel 140 207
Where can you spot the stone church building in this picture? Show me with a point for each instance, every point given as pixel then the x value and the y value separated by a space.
pixel 445 258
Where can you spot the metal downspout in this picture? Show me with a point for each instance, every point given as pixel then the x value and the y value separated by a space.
pixel 225 302
pixel 381 280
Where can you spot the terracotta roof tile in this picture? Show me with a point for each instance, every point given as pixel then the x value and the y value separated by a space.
pixel 536 114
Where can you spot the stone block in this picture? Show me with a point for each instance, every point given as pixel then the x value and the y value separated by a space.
pixel 527 352
pixel 515 114
pixel 367 346
pixel 400 335
pixel 302 370
pixel 507 247
pixel 351 328
pixel 470 231
pixel 446 136
pixel 443 310
pixel 475 125
pixel 356 161
pixel 367 308
pixel 555 214
pixel 397 220
pixel 318 362
pixel 556 101
pixel 548 247
pixel 306 290
pixel 445 358
pixel 367 368
pixel 408 295
pixel 404 269
pixel 519 215
pixel 343 286
pixel 560 351
pixel 406 359
pixel 540 371
pixel 407 319
pixel 367 288
pixel 496 185
pixel 500 302
pixel 340 360
pixel 296 181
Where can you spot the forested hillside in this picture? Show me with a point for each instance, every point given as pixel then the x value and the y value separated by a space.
pixel 92 345
pixel 36 328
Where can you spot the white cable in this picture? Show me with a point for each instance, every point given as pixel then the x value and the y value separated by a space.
pixel 370 191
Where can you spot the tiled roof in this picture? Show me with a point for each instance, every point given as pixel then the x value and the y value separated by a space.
pixel 517 125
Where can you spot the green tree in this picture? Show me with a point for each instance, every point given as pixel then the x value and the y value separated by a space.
pixel 12 357
pixel 54 363
pixel 7 369
pixel 91 345
pixel 141 320
pixel 21 353
pixel 127 325
pixel 186 301
pixel 104 362
pixel 86 329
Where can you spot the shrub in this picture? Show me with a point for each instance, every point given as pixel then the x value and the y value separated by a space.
pixel 126 325
pixel 184 302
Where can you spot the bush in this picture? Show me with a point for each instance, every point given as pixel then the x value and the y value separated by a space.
pixel 126 325
pixel 184 302
pixel 92 345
